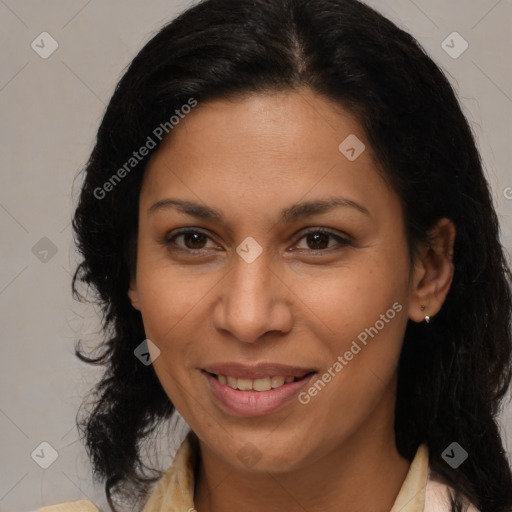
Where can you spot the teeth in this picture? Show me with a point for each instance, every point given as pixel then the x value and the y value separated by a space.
pixel 263 384
pixel 244 384
pixel 277 382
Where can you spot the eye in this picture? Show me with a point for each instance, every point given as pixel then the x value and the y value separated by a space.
pixel 317 239
pixel 193 240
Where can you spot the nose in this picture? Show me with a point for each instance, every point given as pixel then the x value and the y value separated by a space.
pixel 254 300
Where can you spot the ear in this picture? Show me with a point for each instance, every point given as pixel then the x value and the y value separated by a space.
pixel 133 294
pixel 432 274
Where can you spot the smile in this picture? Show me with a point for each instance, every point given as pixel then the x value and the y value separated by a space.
pixel 255 391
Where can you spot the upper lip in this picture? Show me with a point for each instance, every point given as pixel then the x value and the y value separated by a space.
pixel 257 371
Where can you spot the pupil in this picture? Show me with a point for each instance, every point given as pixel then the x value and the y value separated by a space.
pixel 317 239
pixel 189 236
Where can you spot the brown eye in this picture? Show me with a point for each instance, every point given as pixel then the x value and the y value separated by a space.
pixel 193 240
pixel 318 240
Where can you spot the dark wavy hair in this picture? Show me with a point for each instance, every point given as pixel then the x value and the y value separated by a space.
pixel 454 372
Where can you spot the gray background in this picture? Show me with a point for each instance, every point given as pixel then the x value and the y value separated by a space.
pixel 51 109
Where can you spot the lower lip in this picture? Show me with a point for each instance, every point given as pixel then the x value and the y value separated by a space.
pixel 255 403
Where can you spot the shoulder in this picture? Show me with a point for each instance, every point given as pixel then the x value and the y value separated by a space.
pixel 70 506
pixel 437 497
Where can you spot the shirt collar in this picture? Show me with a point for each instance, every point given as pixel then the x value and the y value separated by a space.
pixel 174 492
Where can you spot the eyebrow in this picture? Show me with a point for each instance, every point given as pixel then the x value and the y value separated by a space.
pixel 292 213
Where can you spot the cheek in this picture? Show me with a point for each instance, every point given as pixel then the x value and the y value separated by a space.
pixel 360 316
pixel 343 301
pixel 169 297
pixel 169 306
pixel 358 378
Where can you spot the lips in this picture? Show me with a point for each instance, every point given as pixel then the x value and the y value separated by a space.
pixel 251 402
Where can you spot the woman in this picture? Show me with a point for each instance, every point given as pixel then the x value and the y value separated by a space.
pixel 285 213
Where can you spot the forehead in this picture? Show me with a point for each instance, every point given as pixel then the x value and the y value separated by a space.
pixel 287 124
pixel 262 149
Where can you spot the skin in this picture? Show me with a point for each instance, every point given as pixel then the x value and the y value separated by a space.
pixel 250 158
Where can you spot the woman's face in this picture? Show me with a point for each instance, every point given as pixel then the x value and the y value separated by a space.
pixel 273 280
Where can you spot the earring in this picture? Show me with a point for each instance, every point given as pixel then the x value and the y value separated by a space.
pixel 427 318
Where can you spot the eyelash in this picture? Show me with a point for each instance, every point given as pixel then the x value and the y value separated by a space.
pixel 168 240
